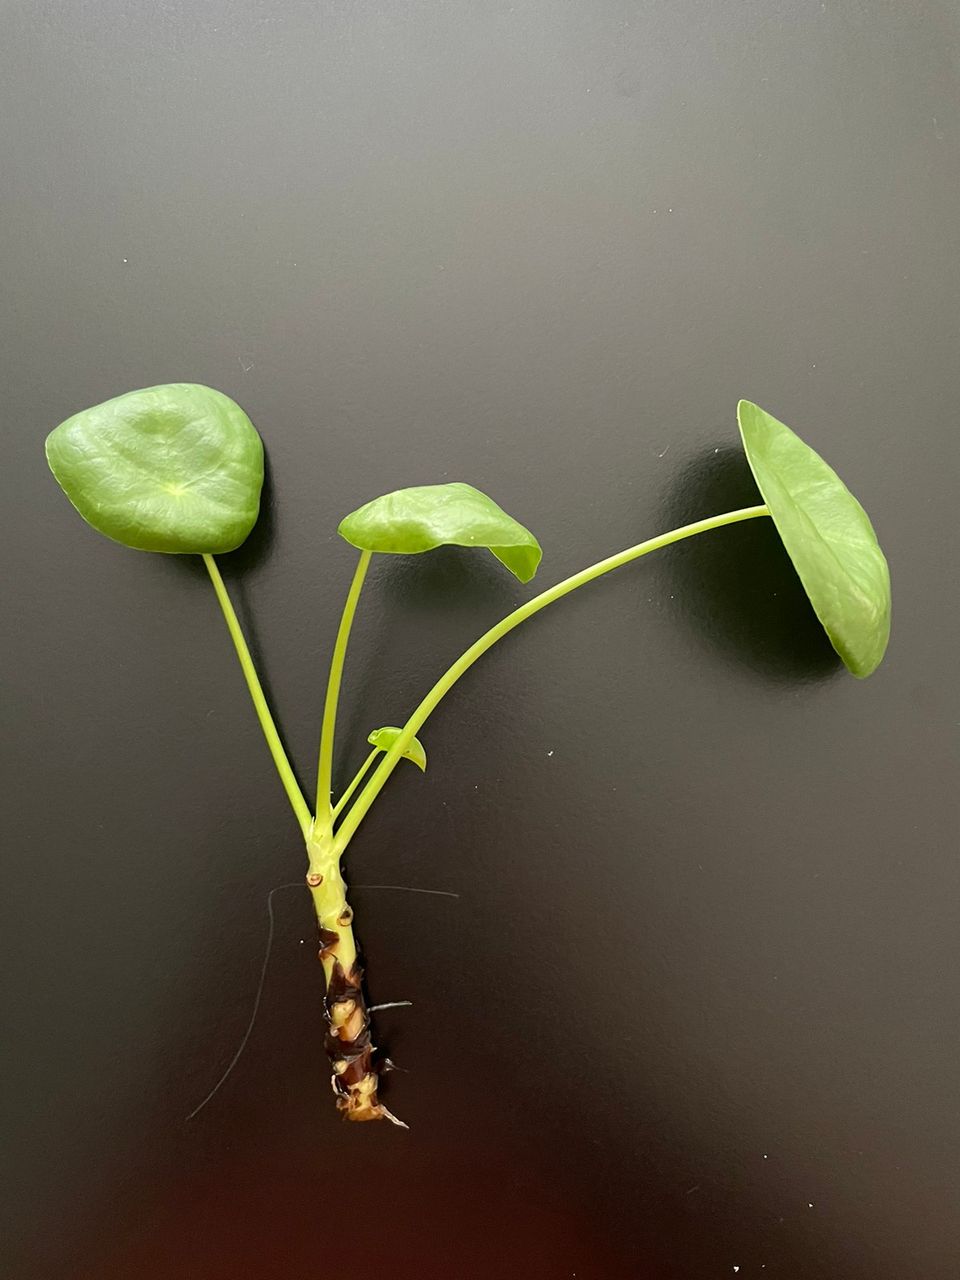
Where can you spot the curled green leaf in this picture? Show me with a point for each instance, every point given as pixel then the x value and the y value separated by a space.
pixel 384 739
pixel 828 536
pixel 176 468
pixel 413 520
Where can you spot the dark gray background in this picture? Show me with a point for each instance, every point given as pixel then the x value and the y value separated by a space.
pixel 697 1007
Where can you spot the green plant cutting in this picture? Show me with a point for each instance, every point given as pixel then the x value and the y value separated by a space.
pixel 178 469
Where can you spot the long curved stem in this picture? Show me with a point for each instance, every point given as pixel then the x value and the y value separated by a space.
pixel 325 764
pixel 383 771
pixel 297 803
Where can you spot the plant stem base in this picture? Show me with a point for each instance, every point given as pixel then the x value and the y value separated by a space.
pixel 349 1045
pixel 356 1076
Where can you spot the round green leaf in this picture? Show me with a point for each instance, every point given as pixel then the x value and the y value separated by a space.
pixel 175 468
pixel 434 515
pixel 385 738
pixel 828 536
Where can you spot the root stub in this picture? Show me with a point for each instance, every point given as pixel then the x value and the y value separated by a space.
pixel 355 1077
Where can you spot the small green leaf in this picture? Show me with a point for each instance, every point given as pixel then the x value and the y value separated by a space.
pixel 385 738
pixel 434 515
pixel 828 536
pixel 176 468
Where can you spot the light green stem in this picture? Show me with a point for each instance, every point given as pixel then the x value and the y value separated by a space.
pixel 325 765
pixel 356 782
pixel 466 660
pixel 294 794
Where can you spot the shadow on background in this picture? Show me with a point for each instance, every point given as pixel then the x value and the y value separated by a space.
pixel 464 577
pixel 424 611
pixel 247 559
pixel 736 587
pixel 252 555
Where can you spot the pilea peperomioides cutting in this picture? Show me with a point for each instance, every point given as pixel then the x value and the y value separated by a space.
pixel 179 468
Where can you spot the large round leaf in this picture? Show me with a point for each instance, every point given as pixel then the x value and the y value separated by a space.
pixel 828 536
pixel 175 468
pixel 434 515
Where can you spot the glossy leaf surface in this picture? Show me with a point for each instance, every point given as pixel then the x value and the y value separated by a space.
pixel 385 738
pixel 828 536
pixel 175 468
pixel 413 520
